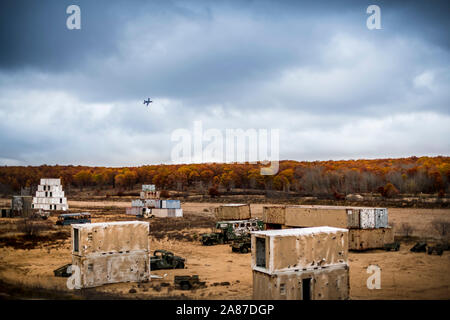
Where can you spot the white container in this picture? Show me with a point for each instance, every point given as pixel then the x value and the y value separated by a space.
pixel 109 237
pixel 137 203
pixel 367 218
pixel 299 249
pixel 148 187
pixel 134 211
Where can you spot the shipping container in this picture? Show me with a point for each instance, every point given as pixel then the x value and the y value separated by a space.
pixel 160 213
pixel 331 283
pixel 274 214
pixel 366 239
pixel 148 187
pixel 50 182
pixel 233 212
pixel 367 218
pixel 153 203
pixel 134 211
pixel 381 218
pixel 353 218
pixel 137 203
pixel 109 237
pixel 298 249
pixel 172 204
pixel 315 216
pixel 96 270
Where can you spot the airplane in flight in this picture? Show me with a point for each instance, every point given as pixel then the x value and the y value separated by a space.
pixel 147 102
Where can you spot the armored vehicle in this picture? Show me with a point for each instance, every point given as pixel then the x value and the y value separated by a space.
pixel 188 282
pixel 227 231
pixel 163 259
pixel 419 247
pixel 242 244
pixel 392 246
pixel 438 249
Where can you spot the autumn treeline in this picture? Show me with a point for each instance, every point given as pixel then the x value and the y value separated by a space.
pixel 386 176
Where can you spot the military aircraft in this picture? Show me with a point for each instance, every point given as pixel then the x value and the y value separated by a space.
pixel 147 102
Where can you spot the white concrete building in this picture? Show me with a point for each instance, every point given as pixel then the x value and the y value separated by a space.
pixel 50 196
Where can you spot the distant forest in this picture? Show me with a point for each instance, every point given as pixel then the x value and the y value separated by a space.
pixel 386 176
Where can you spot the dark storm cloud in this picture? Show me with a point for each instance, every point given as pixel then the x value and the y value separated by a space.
pixel 312 69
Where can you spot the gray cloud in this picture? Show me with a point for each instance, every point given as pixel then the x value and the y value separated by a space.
pixel 333 87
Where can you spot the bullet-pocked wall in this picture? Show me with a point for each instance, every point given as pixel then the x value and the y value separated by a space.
pixel 110 237
pixel 112 268
pixel 111 252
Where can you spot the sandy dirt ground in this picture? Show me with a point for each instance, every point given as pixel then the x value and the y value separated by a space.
pixel 404 275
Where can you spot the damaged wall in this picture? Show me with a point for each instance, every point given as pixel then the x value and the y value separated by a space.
pixel 296 249
pixel 110 237
pixel 233 212
pixel 330 283
pixel 111 252
pixel 96 270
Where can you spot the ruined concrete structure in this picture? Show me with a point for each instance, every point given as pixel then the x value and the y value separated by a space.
pixel 111 252
pixel 235 211
pixel 368 227
pixel 307 263
pixel 21 206
pixel 50 196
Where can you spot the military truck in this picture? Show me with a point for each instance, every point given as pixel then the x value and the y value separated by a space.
pixel 163 259
pixel 73 218
pixel 242 244
pixel 227 231
pixel 419 247
pixel 392 246
pixel 439 249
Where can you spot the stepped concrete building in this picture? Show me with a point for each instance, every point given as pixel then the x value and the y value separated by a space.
pixel 50 196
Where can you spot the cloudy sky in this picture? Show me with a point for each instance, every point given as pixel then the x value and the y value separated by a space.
pixel 333 88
